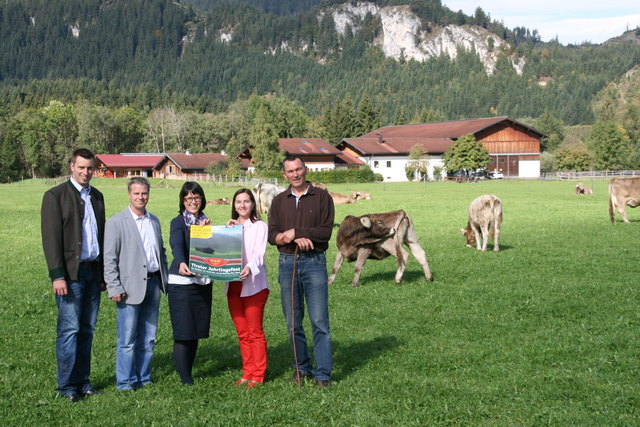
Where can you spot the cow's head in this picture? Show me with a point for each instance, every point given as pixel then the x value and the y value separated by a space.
pixel 377 227
pixel 469 235
pixel 360 195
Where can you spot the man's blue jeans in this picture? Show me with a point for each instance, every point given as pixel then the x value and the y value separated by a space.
pixel 77 315
pixel 137 325
pixel 310 285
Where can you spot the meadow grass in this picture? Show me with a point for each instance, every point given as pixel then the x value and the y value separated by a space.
pixel 544 332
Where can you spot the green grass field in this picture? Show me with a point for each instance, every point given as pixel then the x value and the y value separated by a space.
pixel 545 332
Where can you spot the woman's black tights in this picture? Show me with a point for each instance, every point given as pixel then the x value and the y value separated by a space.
pixel 184 354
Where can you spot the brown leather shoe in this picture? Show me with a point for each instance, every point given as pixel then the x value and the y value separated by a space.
pixel 323 383
pixel 72 397
pixel 89 391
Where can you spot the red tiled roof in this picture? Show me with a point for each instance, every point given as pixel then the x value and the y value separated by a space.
pixel 348 159
pixel 396 145
pixel 195 160
pixel 130 161
pixel 307 146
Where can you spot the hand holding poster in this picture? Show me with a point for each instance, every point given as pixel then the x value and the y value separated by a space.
pixel 216 252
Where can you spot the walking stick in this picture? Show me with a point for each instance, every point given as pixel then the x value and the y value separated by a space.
pixel 293 328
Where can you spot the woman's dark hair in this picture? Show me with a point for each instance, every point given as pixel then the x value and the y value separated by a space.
pixel 194 188
pixel 253 216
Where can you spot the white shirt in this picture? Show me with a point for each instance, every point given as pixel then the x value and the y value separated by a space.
pixel 148 237
pixel 90 247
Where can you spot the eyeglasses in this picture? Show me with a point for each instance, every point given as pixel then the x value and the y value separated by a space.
pixel 192 199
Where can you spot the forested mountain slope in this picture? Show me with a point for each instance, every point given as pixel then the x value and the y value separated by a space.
pixel 204 55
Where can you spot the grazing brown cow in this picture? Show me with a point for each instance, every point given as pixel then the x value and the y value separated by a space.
pixel 485 218
pixel 264 194
pixel 377 236
pixel 583 189
pixel 623 192
pixel 361 195
pixel 223 201
pixel 341 199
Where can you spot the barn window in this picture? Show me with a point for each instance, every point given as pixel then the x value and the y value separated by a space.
pixel 388 163
pixel 375 164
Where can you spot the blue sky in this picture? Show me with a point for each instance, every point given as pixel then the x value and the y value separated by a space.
pixel 573 21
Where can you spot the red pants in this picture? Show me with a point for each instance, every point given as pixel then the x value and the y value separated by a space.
pixel 247 314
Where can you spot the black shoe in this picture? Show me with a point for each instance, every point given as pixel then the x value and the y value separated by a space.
pixel 323 383
pixel 294 377
pixel 71 397
pixel 89 391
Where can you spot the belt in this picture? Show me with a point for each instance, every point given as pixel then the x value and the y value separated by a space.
pixel 303 254
pixel 88 263
pixel 154 274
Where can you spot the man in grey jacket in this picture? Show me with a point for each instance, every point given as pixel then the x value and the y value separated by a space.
pixel 135 270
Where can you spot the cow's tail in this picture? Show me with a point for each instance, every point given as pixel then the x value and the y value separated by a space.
pixel 612 201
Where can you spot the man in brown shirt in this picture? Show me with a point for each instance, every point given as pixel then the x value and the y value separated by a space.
pixel 300 224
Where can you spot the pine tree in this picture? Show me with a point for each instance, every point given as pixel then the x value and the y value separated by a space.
pixel 608 143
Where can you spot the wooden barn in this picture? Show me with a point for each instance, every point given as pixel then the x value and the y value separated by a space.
pixel 513 146
pixel 127 165
pixel 188 165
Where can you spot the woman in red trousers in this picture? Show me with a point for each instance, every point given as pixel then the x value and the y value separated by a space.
pixel 247 298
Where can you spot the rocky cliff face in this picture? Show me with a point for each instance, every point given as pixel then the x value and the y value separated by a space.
pixel 402 35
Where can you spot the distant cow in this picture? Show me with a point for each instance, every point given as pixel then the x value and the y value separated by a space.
pixel 320 185
pixel 377 236
pixel 485 219
pixel 341 199
pixel 223 201
pixel 264 194
pixel 583 189
pixel 361 195
pixel 623 192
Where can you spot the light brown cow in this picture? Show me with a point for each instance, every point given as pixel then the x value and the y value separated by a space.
pixel 377 236
pixel 485 219
pixel 583 189
pixel 320 185
pixel 341 199
pixel 623 192
pixel 361 195
pixel 223 201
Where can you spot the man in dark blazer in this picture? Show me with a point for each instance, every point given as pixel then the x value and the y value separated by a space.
pixel 135 270
pixel 72 220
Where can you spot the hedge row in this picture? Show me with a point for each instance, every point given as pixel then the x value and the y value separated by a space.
pixel 364 174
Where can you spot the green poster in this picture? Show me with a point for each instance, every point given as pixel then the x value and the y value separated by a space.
pixel 216 252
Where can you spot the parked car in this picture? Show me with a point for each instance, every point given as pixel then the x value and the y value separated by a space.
pixel 495 175
pixel 464 175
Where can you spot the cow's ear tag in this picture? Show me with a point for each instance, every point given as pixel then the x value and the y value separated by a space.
pixel 365 221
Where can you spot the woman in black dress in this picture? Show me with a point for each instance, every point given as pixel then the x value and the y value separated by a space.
pixel 189 295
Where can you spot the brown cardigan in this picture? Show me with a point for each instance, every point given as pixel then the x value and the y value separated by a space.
pixel 312 218
pixel 61 221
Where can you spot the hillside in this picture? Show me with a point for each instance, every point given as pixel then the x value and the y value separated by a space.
pixel 204 55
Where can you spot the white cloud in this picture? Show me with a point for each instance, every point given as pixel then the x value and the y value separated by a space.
pixel 571 20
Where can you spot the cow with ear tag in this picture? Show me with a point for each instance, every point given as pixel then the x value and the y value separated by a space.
pixel 377 236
